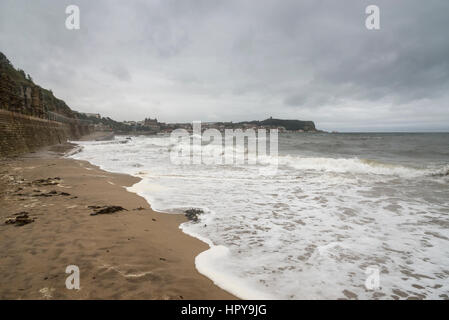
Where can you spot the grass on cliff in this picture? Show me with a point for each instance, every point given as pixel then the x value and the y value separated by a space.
pixel 18 75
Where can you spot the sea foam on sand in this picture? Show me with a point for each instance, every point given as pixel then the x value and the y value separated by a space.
pixel 309 232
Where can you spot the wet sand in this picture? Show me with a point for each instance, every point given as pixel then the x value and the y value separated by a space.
pixel 131 254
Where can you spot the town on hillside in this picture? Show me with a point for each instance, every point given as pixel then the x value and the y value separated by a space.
pixel 153 126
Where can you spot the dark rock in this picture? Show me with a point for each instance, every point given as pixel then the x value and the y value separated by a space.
pixel 105 209
pixel 192 214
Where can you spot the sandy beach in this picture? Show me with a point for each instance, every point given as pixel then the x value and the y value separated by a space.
pixel 130 254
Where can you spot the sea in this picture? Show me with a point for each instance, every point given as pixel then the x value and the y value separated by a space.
pixel 345 216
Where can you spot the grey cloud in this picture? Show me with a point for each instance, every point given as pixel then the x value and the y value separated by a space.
pixel 240 60
pixel 119 72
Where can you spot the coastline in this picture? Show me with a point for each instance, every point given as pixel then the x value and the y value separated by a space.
pixel 136 253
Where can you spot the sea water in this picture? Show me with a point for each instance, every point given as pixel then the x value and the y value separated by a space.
pixel 338 207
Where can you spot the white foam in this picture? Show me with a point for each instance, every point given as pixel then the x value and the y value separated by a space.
pixel 350 165
pixel 309 231
pixel 207 263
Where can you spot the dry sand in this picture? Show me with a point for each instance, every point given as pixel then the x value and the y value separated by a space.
pixel 133 254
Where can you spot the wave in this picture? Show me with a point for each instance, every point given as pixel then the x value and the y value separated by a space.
pixel 357 166
pixel 324 164
pixel 443 172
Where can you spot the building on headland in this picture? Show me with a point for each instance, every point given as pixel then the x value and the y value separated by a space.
pixel 152 124
pixel 143 127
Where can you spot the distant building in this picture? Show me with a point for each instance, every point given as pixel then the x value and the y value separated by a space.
pixel 152 124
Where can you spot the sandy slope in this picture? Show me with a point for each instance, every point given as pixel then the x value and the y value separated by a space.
pixel 133 254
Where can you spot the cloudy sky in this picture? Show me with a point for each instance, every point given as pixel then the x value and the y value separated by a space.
pixel 210 60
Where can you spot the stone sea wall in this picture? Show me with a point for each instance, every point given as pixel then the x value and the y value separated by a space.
pixel 21 133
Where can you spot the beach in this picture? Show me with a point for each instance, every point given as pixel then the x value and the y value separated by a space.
pixel 259 236
pixel 135 253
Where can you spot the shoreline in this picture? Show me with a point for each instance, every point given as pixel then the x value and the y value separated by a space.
pixel 136 253
pixel 205 260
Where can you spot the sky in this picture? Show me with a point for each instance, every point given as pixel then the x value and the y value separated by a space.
pixel 234 60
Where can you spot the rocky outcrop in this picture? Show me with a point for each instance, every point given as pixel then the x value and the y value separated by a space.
pixel 291 125
pixel 193 214
pixel 307 126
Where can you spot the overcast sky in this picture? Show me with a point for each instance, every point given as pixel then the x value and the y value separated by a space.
pixel 225 60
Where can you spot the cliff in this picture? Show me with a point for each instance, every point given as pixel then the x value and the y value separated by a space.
pixel 31 116
pixel 18 93
pixel 290 124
